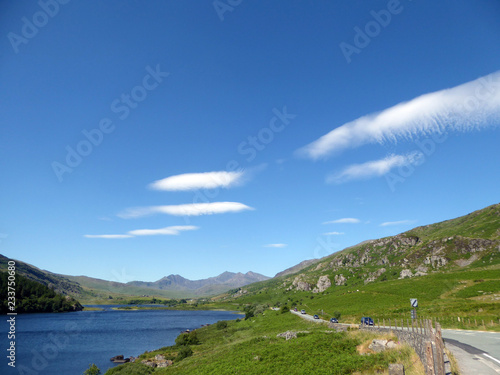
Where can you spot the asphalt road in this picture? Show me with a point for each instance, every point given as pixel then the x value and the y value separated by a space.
pixel 308 317
pixel 477 352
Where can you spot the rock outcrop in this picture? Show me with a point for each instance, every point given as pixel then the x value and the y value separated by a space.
pixel 340 280
pixel 380 345
pixel 323 284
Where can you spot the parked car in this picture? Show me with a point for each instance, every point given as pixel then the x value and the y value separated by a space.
pixel 316 317
pixel 367 321
pixel 302 311
pixel 334 320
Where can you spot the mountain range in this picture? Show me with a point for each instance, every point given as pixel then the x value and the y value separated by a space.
pixel 173 286
pixel 468 245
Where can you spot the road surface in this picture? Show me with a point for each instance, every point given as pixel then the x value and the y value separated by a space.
pixel 477 352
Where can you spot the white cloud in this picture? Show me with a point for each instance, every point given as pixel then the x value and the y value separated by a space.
pixel 333 233
pixel 472 105
pixel 278 245
pixel 109 236
pixel 192 209
pixel 345 220
pixel 400 222
pixel 373 168
pixel 193 181
pixel 174 230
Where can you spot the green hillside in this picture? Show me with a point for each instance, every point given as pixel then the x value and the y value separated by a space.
pixel 452 268
pixel 32 297
pixel 97 289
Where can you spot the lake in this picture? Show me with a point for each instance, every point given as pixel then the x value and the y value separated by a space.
pixel 66 343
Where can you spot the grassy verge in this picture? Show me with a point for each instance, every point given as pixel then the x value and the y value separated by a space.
pixel 252 347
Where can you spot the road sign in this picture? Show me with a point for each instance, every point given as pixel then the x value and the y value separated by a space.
pixel 414 302
pixel 413 314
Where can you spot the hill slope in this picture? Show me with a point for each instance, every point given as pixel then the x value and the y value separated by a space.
pixel 441 264
pixel 58 283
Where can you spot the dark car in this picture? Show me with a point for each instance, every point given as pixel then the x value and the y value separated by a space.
pixel 302 311
pixel 367 321
pixel 334 320
pixel 316 317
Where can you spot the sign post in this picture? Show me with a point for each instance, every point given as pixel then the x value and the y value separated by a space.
pixel 414 304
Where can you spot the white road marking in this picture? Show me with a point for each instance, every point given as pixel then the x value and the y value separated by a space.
pixel 490 357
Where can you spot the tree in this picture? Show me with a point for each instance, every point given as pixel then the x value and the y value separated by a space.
pixel 284 309
pixel 92 370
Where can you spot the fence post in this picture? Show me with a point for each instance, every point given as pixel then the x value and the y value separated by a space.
pixel 429 359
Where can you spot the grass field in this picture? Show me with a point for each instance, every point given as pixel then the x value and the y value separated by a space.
pixel 251 347
pixel 472 294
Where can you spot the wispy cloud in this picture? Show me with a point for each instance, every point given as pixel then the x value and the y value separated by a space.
pixel 108 236
pixel 167 231
pixel 472 105
pixel 373 168
pixel 278 245
pixel 193 181
pixel 345 220
pixel 192 209
pixel 400 222
pixel 333 233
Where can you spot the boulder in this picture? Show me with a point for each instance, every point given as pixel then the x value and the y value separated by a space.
pixel 323 283
pixel 288 335
pixel 340 280
pixel 396 369
pixel 405 273
pixel 378 345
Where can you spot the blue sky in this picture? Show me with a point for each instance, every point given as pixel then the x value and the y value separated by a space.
pixel 141 139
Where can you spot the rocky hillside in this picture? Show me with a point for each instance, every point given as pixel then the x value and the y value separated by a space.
pixel 55 282
pixel 468 241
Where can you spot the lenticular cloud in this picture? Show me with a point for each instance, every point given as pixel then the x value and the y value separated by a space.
pixel 472 105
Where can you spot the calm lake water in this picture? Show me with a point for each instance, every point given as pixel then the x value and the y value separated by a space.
pixel 66 343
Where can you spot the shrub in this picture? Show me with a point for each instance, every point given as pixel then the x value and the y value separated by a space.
pixel 259 309
pixel 190 338
pixel 284 309
pixel 337 314
pixel 222 324
pixel 92 370
pixel 185 352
